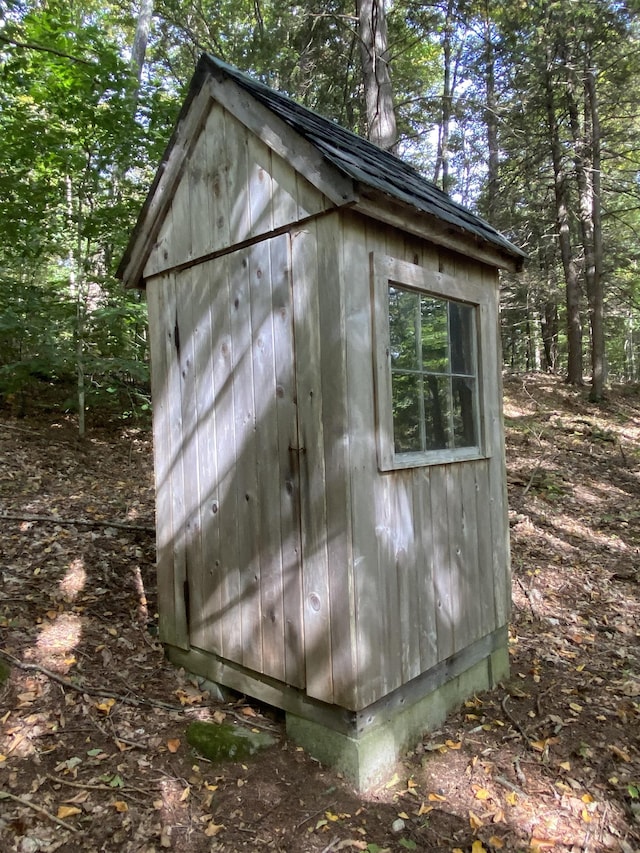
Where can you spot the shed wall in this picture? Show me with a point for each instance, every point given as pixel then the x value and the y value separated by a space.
pixel 429 545
pixel 262 354
pixel 225 424
pixel 402 569
pixel 232 188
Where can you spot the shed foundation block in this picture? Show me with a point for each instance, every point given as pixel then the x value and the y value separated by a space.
pixel 364 745
pixel 368 759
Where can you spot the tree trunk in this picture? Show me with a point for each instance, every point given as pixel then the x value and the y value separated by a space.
pixel 491 117
pixel 586 146
pixel 443 156
pixel 549 332
pixel 629 350
pixel 596 289
pixel 381 117
pixel 572 281
pixel 77 292
pixel 141 37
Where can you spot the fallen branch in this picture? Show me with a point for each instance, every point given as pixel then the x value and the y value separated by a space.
pixel 502 780
pixel 4 795
pixel 532 477
pixel 22 429
pixel 527 595
pixel 90 691
pixel 314 814
pixel 88 787
pixel 78 522
pixel 513 721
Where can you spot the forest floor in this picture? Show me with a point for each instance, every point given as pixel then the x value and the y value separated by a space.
pixel 93 755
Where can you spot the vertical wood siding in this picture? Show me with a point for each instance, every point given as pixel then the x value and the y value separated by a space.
pixel 168 463
pixel 430 547
pixel 310 455
pixel 233 188
pixel 225 424
pixel 329 596
pixel 281 546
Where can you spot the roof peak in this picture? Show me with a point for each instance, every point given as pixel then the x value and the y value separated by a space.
pixel 361 160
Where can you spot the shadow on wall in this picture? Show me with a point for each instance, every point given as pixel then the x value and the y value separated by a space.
pixel 281 548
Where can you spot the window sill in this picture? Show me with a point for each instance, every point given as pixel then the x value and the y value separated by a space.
pixel 433 457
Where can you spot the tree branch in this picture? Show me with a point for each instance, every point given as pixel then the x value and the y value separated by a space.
pixel 27 45
pixel 79 522
pixel 90 691
pixel 38 809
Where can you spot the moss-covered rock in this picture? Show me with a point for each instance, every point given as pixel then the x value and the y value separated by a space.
pixel 225 742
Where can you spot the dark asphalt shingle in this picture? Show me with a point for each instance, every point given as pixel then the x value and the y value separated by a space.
pixel 364 162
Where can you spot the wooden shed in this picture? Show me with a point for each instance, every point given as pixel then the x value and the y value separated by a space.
pixel 332 531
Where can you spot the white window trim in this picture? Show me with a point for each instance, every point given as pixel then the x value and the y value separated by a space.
pixel 385 271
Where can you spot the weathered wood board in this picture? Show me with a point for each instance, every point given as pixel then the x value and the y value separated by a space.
pixel 233 188
pixel 284 548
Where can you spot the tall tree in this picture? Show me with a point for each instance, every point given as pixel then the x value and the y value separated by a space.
pixel 563 221
pixel 449 78
pixel 376 76
pixel 595 287
pixel 67 127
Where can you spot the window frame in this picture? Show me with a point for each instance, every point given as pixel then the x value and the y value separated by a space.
pixel 386 272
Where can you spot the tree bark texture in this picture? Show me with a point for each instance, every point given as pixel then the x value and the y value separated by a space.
pixel 491 117
pixel 381 117
pixel 596 293
pixel 584 146
pixel 570 268
pixel 441 173
pixel 141 38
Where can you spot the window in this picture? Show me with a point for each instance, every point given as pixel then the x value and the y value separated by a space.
pixel 427 366
pixel 433 372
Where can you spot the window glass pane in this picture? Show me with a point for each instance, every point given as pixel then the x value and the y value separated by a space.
pixel 436 412
pixel 403 316
pixel 435 355
pixel 406 389
pixel 464 422
pixel 434 385
pixel 461 332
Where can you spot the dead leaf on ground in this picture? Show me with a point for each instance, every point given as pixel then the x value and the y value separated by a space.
pixel 68 811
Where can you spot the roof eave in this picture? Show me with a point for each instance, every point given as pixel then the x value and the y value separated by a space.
pixel 391 211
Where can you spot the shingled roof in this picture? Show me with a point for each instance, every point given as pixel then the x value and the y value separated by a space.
pixel 364 162
pixel 359 174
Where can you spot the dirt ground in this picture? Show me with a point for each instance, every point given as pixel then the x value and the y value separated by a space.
pixel 93 755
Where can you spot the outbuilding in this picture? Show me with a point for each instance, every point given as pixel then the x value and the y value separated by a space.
pixel 332 533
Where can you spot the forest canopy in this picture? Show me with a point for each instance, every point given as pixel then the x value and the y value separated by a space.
pixel 523 111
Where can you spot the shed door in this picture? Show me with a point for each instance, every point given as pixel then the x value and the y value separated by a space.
pixel 233 341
